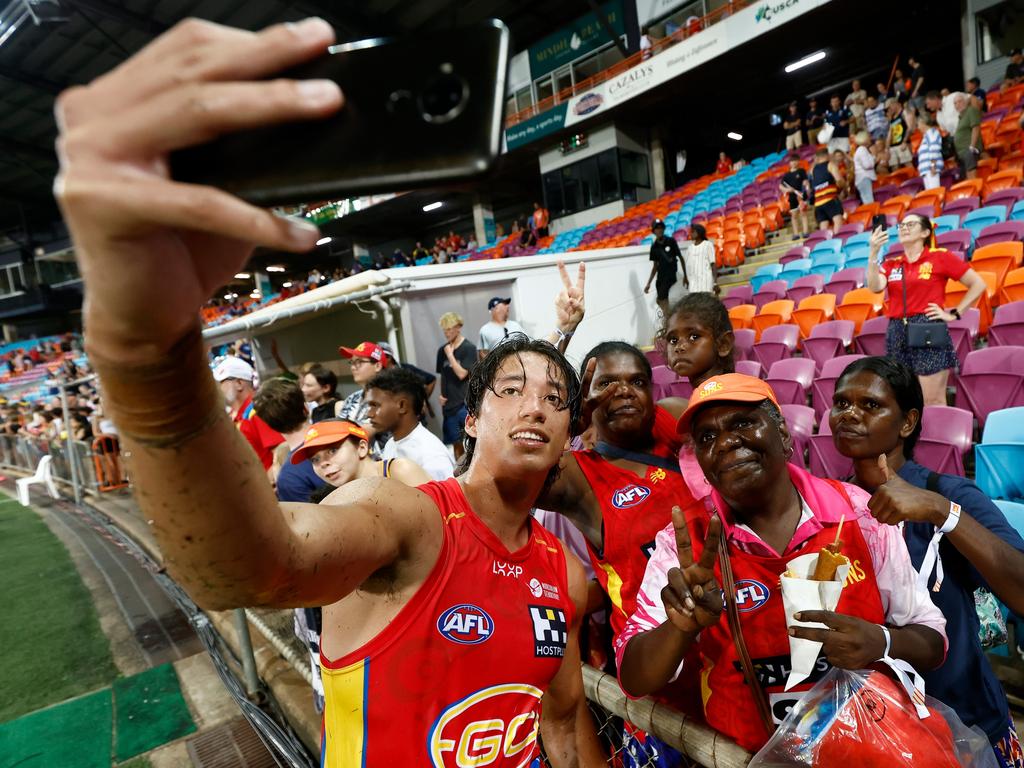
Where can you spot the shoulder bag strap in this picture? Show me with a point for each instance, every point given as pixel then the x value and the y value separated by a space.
pixel 903 281
pixel 610 451
pixel 932 483
pixel 729 584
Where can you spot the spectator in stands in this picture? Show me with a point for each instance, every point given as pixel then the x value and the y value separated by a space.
pixel 724 164
pixel 880 151
pixel 366 360
pixel 899 136
pixel 920 274
pixel 665 254
pixel 917 79
pixel 237 383
pixel 839 166
pixel 899 86
pixel 419 252
pixel 944 109
pixel 645 44
pixel 319 387
pixel 876 421
pixel 527 233
pixel 978 94
pixel 792 125
pixel 455 360
pixel 498 328
pixel 541 218
pixel 454 242
pixel 875 119
pixel 1014 70
pixel 929 153
pixel 856 102
pixel 796 183
pixel 883 93
pixel 864 174
pixel 814 120
pixel 700 262
pixel 828 211
pixel 839 117
pixel 282 405
pixel 765 509
pixel 394 400
pixel 967 137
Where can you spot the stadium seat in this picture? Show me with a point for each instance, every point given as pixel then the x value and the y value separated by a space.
pixel 800 421
pixel 805 286
pixel 796 252
pixel 750 368
pixel 932 197
pixel 827 264
pixel 856 250
pixel 858 305
pixel 772 313
pixel 958 240
pixel 828 340
pixel 1013 288
pixel 955 291
pixel 741 315
pixel 1000 180
pixel 813 310
pixel 830 245
pixel 844 281
pixel 978 219
pixel 662 376
pixel 743 345
pixel 945 439
pixel 992 379
pixel 777 342
pixel 966 188
pixel 943 224
pixel 823 387
pixel 998 258
pixel 863 214
pixel 1000 454
pixel 871 338
pixel 817 236
pixel 773 290
pixel 763 274
pixel 825 460
pixel 961 207
pixel 754 235
pixel 1008 197
pixel 791 379
pixel 1007 329
pixel 896 206
pixel 847 230
pixel 1000 232
pixel 739 294
pixel 730 254
pixel 655 357
pixel 795 269
pixel 883 192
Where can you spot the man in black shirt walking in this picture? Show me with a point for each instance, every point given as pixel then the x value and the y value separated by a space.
pixel 664 253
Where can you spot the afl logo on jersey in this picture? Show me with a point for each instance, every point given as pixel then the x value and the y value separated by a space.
pixel 465 624
pixel 496 725
pixel 630 496
pixel 750 595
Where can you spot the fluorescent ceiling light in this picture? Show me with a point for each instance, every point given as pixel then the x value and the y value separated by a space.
pixel 242 276
pixel 323 241
pixel 805 61
pixel 432 206
pixel 735 136
pixel 275 268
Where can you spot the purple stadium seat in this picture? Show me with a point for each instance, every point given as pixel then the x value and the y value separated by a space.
pixel 961 207
pixel 884 192
pixel 844 281
pixel 800 420
pixel 851 204
pixel 794 253
pixel 1007 330
pixel 655 357
pixel 805 286
pixel 956 240
pixel 992 379
pixel 921 210
pixel 828 340
pixel 912 186
pixel 945 439
pixel 847 230
pixel 791 379
pixel 817 236
pixel 871 339
pixel 678 388
pixel 824 385
pixel 895 250
pixel 777 343
pixel 662 375
pixel 744 345
pixel 742 292
pixel 825 458
pixel 1006 197
pixel 750 368
pixel 949 176
pixel 773 290
pixel 960 335
pixel 972 321
pixel 998 233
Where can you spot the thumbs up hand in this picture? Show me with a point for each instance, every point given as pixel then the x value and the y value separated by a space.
pixel 895 500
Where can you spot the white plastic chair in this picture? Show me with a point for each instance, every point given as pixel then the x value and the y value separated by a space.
pixel 43 474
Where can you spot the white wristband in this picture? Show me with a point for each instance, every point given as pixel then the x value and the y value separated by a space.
pixel 888 641
pixel 563 336
pixel 952 519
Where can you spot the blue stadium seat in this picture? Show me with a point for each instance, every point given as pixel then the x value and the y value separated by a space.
pixel 794 269
pixel 943 224
pixel 977 220
pixel 764 274
pixel 833 245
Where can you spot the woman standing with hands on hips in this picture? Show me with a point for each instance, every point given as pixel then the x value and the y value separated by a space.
pixel 916 283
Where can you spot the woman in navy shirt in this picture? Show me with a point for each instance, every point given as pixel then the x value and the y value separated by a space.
pixel 876 420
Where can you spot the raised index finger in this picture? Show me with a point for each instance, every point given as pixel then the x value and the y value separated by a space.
pixel 683 546
pixel 581 276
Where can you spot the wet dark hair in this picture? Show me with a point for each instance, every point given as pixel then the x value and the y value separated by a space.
pixel 399 381
pixel 481 381
pixel 699 230
pixel 904 385
pixel 616 348
pixel 710 312
pixel 324 377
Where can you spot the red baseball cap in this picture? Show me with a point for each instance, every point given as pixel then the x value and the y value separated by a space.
pixel 366 349
pixel 729 387
pixel 324 434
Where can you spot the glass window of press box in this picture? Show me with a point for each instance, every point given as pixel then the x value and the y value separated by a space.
pixel 615 174
pixel 1000 29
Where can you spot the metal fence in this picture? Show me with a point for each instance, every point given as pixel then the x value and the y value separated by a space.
pixel 22 453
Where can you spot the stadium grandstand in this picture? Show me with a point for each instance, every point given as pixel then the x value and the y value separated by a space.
pixel 732 324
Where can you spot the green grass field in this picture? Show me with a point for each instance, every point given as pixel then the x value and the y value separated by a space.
pixel 53 647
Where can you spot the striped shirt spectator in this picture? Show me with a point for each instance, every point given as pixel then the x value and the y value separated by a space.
pixel 929 157
pixel 875 119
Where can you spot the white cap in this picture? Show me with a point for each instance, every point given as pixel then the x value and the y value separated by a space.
pixel 233 368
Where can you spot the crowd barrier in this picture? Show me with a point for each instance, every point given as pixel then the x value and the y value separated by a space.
pixel 22 453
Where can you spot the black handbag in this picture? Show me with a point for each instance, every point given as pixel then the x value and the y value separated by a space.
pixel 948 147
pixel 933 334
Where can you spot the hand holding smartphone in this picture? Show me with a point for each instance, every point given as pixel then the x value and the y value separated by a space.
pixel 879 221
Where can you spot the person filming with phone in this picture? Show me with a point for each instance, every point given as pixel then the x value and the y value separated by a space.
pixel 916 289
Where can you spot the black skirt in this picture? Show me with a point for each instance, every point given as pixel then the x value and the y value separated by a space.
pixel 923 361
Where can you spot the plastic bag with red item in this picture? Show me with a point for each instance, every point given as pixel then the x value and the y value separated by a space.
pixel 865 719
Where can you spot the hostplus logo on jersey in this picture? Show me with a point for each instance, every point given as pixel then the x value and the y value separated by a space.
pixel 550 630
pixel 750 595
pixel 630 496
pixel 466 624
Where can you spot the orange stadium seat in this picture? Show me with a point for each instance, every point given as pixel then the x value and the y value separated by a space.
pixel 754 234
pixel 933 197
pixel 1013 287
pixel 859 305
pixel 1012 160
pixel 730 254
pixel 1001 179
pixel 966 188
pixel 773 313
pixel 955 291
pixel 900 175
pixel 813 310
pixel 896 206
pixel 863 214
pixel 987 166
pixel 998 258
pixel 740 316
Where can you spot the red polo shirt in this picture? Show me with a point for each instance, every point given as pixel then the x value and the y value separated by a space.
pixel 926 280
pixel 261 437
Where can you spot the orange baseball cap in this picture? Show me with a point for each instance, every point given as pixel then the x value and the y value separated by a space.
pixel 729 387
pixel 366 349
pixel 325 433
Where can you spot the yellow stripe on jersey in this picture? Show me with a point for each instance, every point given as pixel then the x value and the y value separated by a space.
pixel 614 585
pixel 345 715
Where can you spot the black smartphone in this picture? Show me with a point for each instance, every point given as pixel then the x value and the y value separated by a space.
pixel 418 111
pixel 879 220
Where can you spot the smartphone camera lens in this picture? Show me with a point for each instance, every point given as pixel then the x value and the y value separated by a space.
pixel 444 96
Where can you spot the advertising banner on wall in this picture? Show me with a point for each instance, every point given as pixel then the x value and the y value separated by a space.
pixel 584 35
pixel 536 127
pixel 672 62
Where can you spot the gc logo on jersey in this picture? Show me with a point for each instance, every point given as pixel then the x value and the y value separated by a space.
pixel 465 624
pixel 750 595
pixel 630 496
pixel 474 731
pixel 550 630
